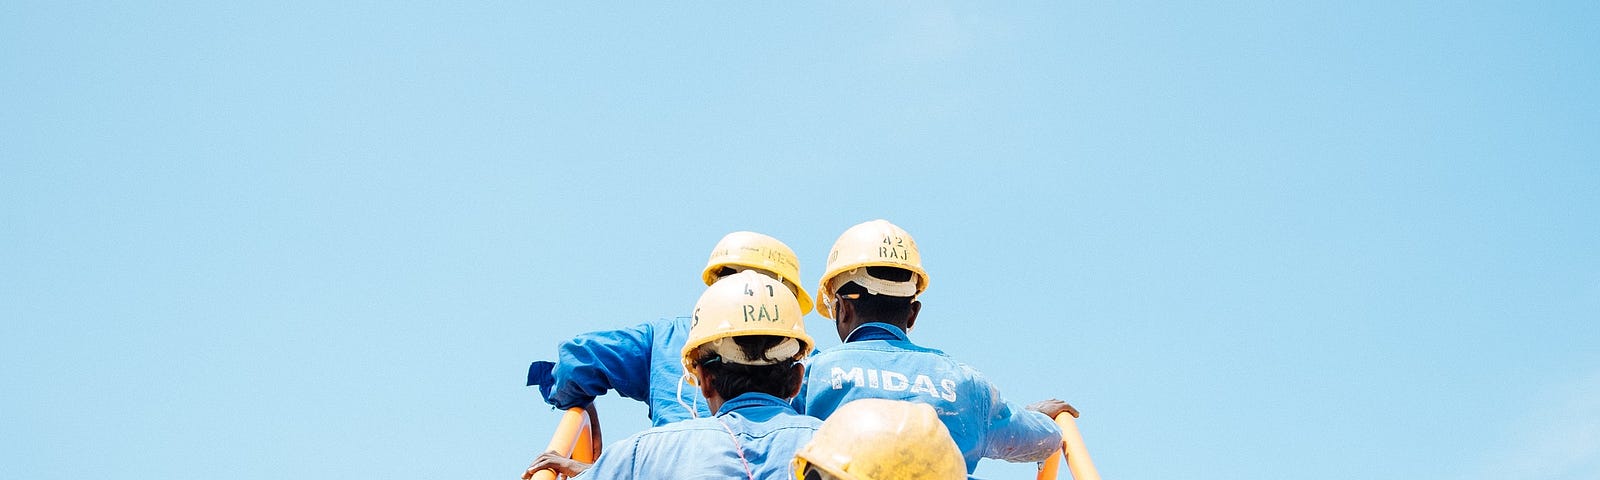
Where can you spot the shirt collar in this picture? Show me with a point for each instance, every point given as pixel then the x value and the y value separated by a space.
pixel 877 331
pixel 751 400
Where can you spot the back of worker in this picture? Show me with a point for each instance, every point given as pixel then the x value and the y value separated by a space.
pixel 896 369
pixel 869 288
pixel 743 355
pixel 765 435
pixel 873 364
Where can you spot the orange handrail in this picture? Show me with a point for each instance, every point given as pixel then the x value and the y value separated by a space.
pixel 1077 455
pixel 574 439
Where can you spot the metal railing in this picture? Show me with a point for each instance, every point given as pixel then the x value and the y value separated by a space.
pixel 574 439
pixel 1077 455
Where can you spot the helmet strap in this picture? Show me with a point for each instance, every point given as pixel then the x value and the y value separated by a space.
pixel 694 411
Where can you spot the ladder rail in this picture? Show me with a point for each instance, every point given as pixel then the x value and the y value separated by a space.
pixel 574 439
pixel 1077 454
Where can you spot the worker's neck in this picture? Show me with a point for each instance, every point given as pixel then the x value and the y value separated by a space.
pixel 715 401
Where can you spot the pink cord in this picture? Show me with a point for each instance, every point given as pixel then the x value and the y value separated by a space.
pixel 737 448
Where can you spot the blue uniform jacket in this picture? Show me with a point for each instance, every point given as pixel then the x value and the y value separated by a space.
pixel 878 361
pixel 643 362
pixel 764 429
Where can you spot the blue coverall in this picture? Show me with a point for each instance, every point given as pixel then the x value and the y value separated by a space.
pixel 877 360
pixel 643 362
pixel 762 429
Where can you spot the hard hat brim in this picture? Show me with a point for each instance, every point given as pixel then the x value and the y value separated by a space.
pixel 806 343
pixel 801 462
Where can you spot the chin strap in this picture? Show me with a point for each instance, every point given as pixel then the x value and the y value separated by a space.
pixel 694 411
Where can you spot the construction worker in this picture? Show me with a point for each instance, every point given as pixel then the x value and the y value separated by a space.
pixel 743 354
pixel 874 275
pixel 640 362
pixel 877 439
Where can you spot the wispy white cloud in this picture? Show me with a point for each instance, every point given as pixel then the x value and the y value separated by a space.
pixel 1558 440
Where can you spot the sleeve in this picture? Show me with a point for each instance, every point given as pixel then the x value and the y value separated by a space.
pixel 616 461
pixel 592 363
pixel 1016 434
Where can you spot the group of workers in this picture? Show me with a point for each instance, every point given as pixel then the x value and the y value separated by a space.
pixel 763 403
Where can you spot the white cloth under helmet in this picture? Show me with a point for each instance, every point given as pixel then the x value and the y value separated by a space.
pixel 874 285
pixel 731 353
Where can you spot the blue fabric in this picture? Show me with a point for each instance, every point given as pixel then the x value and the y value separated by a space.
pixel 877 360
pixel 767 431
pixel 542 373
pixel 642 362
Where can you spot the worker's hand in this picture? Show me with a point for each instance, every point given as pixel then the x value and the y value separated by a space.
pixel 1053 407
pixel 557 463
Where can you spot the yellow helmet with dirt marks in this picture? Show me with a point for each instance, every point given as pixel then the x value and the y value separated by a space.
pixel 879 439
pixel 746 303
pixel 741 251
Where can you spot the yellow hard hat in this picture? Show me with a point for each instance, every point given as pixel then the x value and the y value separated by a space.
pixel 742 250
pixel 877 243
pixel 878 439
pixel 747 303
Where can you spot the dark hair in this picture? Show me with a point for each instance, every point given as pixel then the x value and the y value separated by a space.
pixel 879 308
pixel 730 380
pixel 893 274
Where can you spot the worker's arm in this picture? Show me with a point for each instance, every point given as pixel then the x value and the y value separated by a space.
pixel 1019 435
pixel 592 363
pixel 1022 436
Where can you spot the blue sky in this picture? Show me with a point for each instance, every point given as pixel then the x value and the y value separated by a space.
pixel 1246 239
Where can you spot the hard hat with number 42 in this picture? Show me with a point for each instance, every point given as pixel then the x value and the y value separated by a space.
pixel 877 243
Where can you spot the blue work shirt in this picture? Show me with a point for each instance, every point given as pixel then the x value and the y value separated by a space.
pixel 763 429
pixel 878 361
pixel 643 362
